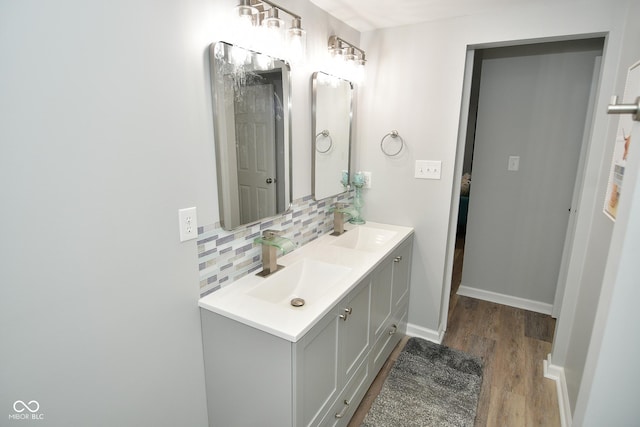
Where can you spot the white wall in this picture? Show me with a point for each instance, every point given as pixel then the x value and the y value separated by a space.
pixel 105 132
pixel 614 351
pixel 414 85
pixel 610 375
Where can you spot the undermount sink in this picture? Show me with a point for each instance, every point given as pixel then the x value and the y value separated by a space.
pixel 365 238
pixel 306 279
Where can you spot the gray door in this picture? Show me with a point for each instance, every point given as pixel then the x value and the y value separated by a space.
pixel 532 106
pixel 256 152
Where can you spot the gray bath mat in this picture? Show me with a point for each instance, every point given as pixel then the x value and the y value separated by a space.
pixel 429 385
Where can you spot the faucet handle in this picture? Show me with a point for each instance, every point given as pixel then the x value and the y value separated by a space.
pixel 271 233
pixel 337 206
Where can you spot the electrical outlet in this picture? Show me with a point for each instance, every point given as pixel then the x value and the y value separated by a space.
pixel 428 169
pixel 188 222
pixel 367 179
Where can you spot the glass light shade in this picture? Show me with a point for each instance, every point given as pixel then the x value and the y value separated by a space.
pixel 297 44
pixel 243 28
pixel 359 72
pixel 350 54
pixel 337 62
pixel 273 23
pixel 263 62
pixel 272 34
pixel 240 56
pixel 272 20
pixel 245 9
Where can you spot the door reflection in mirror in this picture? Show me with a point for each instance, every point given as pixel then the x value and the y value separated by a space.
pixel 252 134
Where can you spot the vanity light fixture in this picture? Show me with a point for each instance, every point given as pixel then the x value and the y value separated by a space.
pixel 261 28
pixel 348 59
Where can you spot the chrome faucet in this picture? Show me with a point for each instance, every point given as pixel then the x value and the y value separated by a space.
pixel 340 210
pixel 271 242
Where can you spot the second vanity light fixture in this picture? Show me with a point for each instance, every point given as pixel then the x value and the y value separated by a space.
pixel 260 28
pixel 348 60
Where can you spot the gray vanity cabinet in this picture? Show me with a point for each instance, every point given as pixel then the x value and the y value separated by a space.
pixel 255 378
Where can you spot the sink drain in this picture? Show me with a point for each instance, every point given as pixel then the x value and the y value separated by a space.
pixel 297 302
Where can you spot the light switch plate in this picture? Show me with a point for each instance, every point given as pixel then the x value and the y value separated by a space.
pixel 514 163
pixel 188 222
pixel 428 169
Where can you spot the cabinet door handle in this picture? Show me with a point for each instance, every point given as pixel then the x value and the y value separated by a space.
pixel 397 259
pixel 347 312
pixel 344 410
pixel 394 329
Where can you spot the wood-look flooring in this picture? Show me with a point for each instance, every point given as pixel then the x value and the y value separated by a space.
pixel 512 344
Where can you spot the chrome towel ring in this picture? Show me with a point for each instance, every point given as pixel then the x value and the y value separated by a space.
pixel 325 133
pixel 393 134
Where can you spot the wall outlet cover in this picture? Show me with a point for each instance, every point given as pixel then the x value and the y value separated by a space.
pixel 367 179
pixel 188 223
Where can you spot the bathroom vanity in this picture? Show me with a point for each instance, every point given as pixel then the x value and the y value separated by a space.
pixel 270 363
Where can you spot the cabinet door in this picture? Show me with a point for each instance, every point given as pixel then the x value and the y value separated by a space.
pixel 401 274
pixel 316 372
pixel 354 330
pixel 381 305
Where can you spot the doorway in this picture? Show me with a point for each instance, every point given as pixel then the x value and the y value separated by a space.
pixel 527 115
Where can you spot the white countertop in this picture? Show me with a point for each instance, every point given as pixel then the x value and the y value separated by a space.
pixel 284 320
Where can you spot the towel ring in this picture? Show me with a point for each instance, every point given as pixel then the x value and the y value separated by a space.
pixel 393 134
pixel 326 134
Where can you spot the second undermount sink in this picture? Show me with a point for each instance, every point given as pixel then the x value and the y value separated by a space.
pixel 365 238
pixel 306 279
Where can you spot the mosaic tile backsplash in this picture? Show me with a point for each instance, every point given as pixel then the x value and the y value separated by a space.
pixel 225 256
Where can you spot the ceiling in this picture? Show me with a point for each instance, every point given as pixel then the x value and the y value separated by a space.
pixel 366 15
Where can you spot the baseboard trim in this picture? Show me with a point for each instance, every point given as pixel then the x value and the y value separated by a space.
pixel 425 333
pixel 526 304
pixel 556 373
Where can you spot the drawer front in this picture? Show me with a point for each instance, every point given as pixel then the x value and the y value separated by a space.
pixel 393 333
pixel 348 401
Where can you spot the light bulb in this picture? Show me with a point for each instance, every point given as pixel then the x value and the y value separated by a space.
pixel 244 25
pixel 359 72
pixel 273 33
pixel 239 56
pixel 263 62
pixel 297 42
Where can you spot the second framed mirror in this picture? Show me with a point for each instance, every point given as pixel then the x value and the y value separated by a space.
pixel 332 103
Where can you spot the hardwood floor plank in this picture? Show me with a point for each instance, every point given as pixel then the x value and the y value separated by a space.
pixel 510 356
pixel 489 319
pixel 539 326
pixel 506 409
pixel 462 323
pixel 485 348
pixel 456 276
pixel 541 404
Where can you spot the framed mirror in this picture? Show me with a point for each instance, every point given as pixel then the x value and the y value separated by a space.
pixel 252 129
pixel 332 99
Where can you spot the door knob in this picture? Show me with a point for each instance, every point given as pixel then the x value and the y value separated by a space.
pixel 269 180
